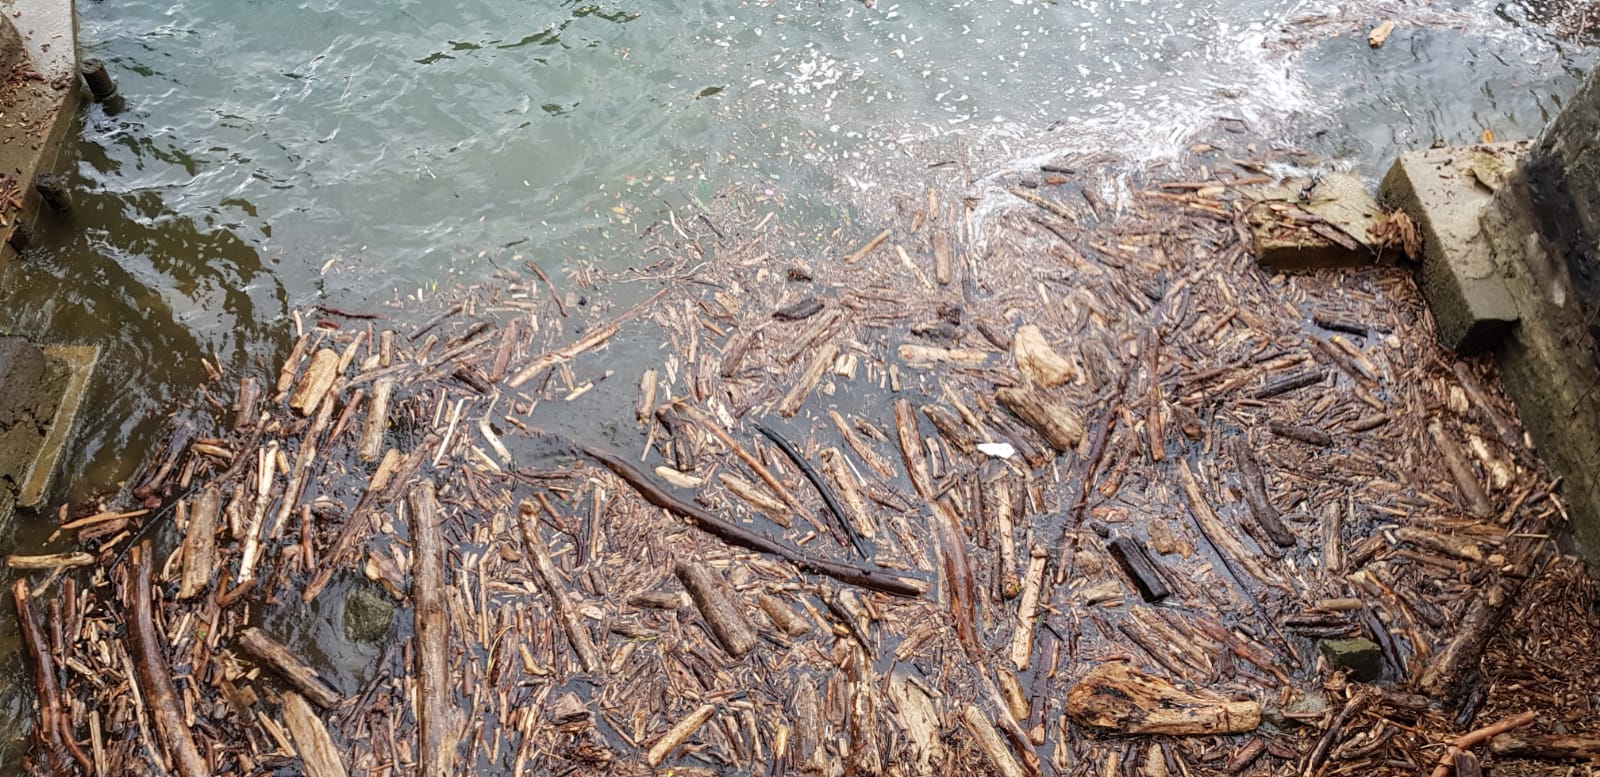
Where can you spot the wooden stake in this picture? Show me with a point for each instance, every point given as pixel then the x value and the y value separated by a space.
pixel 154 669
pixel 299 674
pixel 437 731
pixel 200 543
pixel 571 624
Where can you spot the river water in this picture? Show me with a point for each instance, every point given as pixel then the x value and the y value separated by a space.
pixel 270 156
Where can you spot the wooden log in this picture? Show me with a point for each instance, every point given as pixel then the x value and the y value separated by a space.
pixel 990 742
pixel 153 668
pixel 1037 360
pixel 437 731
pixel 571 623
pixel 718 604
pixel 1547 747
pixel 1028 609
pixel 311 740
pixel 745 456
pixel 377 420
pixel 297 673
pixel 1118 699
pixel 200 543
pixel 245 404
pixel 678 734
pixel 1060 426
pixel 315 381
pixel 1216 532
pixel 919 719
pixel 594 339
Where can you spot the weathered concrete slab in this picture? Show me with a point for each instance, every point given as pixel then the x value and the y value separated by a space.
pixel 1295 225
pixel 38 101
pixel 79 362
pixel 1445 190
pixel 40 391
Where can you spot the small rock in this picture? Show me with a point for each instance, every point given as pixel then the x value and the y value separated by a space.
pixel 368 615
pixel 1360 656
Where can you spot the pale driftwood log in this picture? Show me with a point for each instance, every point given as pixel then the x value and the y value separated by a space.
pixel 1028 609
pixel 796 396
pixel 297 673
pixel 377 420
pixel 679 732
pixel 719 605
pixel 919 718
pixel 436 726
pixel 200 543
pixel 941 257
pixel 928 356
pixel 990 742
pixel 311 738
pixel 1547 747
pixel 1060 426
pixel 1037 359
pixel 766 505
pixel 1332 526
pixel 153 669
pixel 783 616
pixel 315 381
pixel 1477 502
pixel 1116 698
pixel 571 624
pixel 50 561
pixel 856 510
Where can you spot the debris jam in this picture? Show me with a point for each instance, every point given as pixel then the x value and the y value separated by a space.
pixel 1068 484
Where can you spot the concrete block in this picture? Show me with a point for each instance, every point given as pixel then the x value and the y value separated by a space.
pixel 1445 191
pixel 1329 227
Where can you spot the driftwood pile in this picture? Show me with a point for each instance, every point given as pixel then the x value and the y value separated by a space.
pixel 1073 488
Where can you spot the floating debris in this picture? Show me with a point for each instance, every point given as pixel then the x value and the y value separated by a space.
pixel 947 559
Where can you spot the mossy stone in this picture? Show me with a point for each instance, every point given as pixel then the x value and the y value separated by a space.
pixel 368 615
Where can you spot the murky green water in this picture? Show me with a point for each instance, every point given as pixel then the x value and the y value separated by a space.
pixel 273 155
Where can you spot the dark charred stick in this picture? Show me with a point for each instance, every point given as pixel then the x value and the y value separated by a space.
pixel 1255 496
pixel 823 489
pixel 560 305
pixel 1319 754
pixel 801 310
pixel 342 313
pixel 435 321
pixel 869 578
pixel 1289 383
pixel 1138 566
pixel 1335 324
pixel 1305 434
